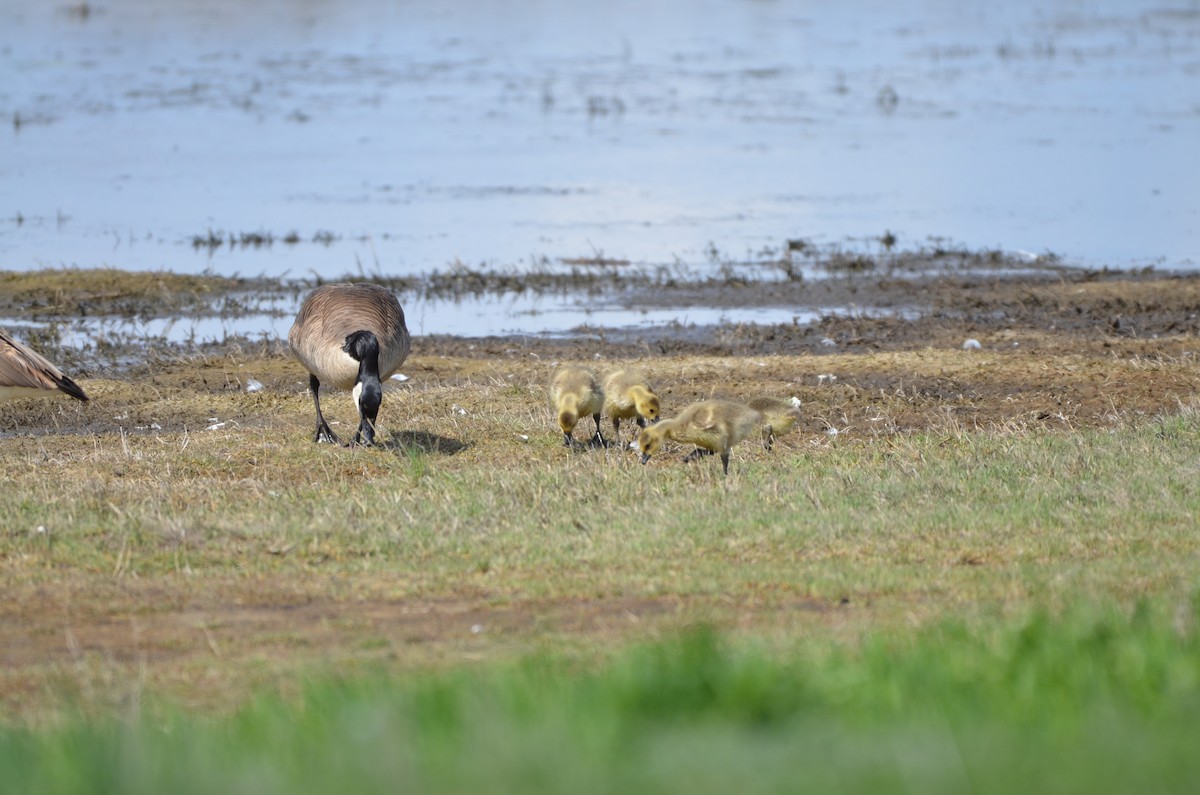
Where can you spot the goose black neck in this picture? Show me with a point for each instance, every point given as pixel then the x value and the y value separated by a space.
pixel 363 347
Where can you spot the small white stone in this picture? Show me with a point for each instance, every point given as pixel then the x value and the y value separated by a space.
pixel 253 385
pixel 971 344
pixel 828 343
pixel 795 401
pixel 476 629
pixel 401 377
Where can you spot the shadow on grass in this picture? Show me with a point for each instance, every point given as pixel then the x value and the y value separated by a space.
pixel 427 442
pixel 595 442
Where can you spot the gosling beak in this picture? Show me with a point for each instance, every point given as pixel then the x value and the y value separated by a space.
pixel 645 457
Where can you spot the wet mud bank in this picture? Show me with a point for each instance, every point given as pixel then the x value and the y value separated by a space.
pixel 112 322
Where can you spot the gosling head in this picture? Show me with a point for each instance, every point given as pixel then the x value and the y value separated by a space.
pixel 649 443
pixel 566 421
pixel 648 407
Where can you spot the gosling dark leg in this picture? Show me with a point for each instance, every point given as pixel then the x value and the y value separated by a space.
pixel 725 462
pixel 567 440
pixel 598 439
pixel 699 452
pixel 768 437
pixel 323 433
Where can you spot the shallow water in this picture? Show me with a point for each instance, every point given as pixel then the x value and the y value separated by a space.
pixel 396 138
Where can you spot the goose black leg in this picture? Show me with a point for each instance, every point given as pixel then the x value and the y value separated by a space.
pixel 323 433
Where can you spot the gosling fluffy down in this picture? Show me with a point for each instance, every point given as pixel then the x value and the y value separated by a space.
pixel 779 416
pixel 351 336
pixel 628 395
pixel 714 426
pixel 575 392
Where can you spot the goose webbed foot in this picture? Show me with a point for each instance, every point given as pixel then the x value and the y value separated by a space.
pixel 325 434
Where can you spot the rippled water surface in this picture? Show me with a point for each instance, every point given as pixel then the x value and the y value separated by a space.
pixel 399 137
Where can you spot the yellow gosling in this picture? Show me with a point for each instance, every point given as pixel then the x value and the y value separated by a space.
pixel 627 395
pixel 714 426
pixel 778 416
pixel 575 392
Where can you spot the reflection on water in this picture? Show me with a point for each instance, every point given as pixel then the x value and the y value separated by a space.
pixel 491 315
pixel 411 135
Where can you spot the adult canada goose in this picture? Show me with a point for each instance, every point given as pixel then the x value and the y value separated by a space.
pixel 574 393
pixel 714 426
pixel 351 336
pixel 26 373
pixel 778 416
pixel 627 395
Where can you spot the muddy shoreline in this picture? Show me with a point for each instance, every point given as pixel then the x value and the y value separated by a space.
pixel 1062 346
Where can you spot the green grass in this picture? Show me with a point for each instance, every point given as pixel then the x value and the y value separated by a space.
pixel 954 516
pixel 241 610
pixel 1097 700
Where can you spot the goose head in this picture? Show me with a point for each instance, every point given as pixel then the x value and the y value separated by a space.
pixel 368 390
